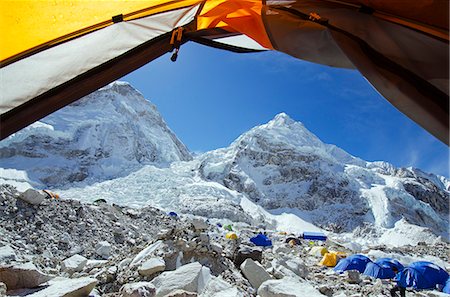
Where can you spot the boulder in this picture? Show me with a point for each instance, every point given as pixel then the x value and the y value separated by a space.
pixel 7 254
pixel 217 287
pixel 199 224
pixel 287 287
pixel 73 264
pixel 204 237
pixel 254 272
pixel 326 290
pixel 181 293
pixel 22 276
pixel 246 252
pixel 152 266
pixel 353 276
pixel 191 277
pixel 216 248
pixel 139 289
pixel 145 253
pixel 103 249
pixel 297 266
pixel 32 196
pixel 67 287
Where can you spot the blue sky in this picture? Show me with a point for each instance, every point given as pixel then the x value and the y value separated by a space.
pixel 209 97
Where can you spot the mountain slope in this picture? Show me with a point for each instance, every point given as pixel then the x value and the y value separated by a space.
pixel 107 134
pixel 114 145
pixel 282 166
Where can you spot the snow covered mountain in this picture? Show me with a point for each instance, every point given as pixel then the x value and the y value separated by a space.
pixel 109 133
pixel 114 145
pixel 285 168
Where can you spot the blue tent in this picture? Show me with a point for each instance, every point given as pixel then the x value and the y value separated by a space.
pixel 382 268
pixel 446 288
pixel 422 275
pixel 314 236
pixel 261 240
pixel 354 262
pixel 173 214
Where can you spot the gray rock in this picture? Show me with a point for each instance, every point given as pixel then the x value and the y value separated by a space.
pixel 287 287
pixel 246 252
pixel 152 266
pixel 73 264
pixel 22 276
pixel 326 290
pixel 7 254
pixel 199 224
pixel 352 276
pixel 296 266
pixel 181 293
pixel 204 238
pixel 216 247
pixel 191 277
pixel 32 196
pixel 67 287
pixel 103 249
pixel 254 272
pixel 139 289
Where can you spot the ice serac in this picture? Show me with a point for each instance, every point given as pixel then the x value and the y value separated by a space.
pixel 286 169
pixel 106 134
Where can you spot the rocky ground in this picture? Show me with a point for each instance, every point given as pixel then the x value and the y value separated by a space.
pixel 59 247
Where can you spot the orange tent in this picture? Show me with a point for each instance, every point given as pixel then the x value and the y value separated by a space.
pixel 55 52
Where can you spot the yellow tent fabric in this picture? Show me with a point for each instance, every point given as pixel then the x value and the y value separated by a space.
pixel 231 236
pixel 27 24
pixel 330 259
pixel 79 46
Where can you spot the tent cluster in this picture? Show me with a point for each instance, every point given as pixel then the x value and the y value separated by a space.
pixel 418 275
pixel 55 52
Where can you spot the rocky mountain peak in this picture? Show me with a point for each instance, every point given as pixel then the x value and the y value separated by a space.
pixel 109 133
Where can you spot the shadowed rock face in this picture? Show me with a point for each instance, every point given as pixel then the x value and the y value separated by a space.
pixel 426 191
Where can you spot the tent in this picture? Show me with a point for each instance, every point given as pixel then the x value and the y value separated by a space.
pixel 332 258
pixel 231 235
pixel 228 227
pixel 422 275
pixel 293 239
pixel 261 240
pixel 446 288
pixel 314 236
pixel 382 268
pixel 318 251
pixel 354 262
pixel 173 214
pixel 55 52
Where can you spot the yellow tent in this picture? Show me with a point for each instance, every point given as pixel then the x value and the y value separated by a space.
pixel 55 52
pixel 231 236
pixel 330 259
pixel 318 251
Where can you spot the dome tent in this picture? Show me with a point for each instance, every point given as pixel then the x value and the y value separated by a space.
pixel 383 268
pixel 261 240
pixel 353 262
pixel 77 47
pixel 422 275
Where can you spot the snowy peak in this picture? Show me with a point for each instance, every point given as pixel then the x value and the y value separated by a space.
pixel 284 167
pixel 109 133
pixel 283 130
pixel 281 119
